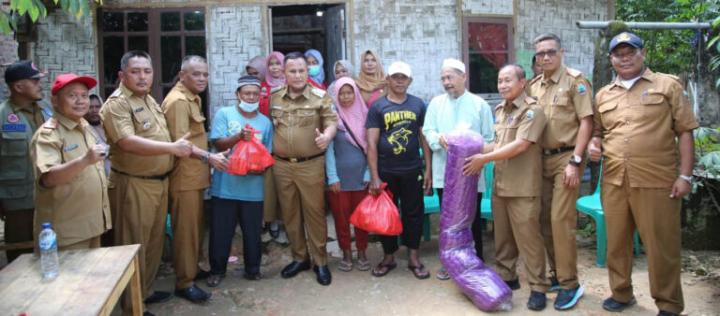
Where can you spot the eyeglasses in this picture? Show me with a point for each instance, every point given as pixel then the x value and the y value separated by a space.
pixel 549 53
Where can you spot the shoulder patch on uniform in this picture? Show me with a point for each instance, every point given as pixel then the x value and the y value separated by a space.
pixel 581 89
pixel 318 92
pixel 530 114
pixel 573 72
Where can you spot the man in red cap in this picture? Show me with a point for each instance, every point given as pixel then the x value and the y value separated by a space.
pixel 70 183
pixel 20 116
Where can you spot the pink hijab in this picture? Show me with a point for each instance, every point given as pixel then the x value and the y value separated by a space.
pixel 275 82
pixel 353 115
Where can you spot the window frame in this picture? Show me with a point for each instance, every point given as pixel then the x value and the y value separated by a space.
pixel 509 22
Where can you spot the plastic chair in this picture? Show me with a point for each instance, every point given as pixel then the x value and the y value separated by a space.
pixel 486 205
pixel 591 205
pixel 432 205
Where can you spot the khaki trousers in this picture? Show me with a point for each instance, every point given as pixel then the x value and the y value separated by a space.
pixel 558 219
pixel 517 227
pixel 300 187
pixel 85 244
pixel 186 213
pixel 270 199
pixel 139 210
pixel 657 218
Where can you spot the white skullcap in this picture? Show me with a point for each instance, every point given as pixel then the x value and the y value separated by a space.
pixel 454 64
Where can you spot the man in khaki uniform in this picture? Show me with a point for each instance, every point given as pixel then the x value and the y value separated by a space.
pixel 566 98
pixel 70 183
pixel 643 127
pixel 21 116
pixel 141 155
pixel 190 177
pixel 516 195
pixel 299 112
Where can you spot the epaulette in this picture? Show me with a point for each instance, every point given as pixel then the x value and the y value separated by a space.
pixel 674 77
pixel 497 107
pixel 573 72
pixel 115 94
pixel 49 125
pixel 318 92
pixel 530 100
pixel 277 88
pixel 533 80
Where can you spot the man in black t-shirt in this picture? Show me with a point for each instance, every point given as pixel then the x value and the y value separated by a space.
pixel 394 126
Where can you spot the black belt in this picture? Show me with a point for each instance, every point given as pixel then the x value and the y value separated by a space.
pixel 160 177
pixel 550 152
pixel 299 159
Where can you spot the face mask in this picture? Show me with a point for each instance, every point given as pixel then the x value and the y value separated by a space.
pixel 248 107
pixel 314 70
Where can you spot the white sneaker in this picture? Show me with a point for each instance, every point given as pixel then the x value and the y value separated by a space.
pixel 282 238
pixel 265 237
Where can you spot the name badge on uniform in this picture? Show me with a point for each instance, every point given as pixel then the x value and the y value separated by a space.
pixel 146 125
pixel 71 147
pixel 14 128
pixel 138 110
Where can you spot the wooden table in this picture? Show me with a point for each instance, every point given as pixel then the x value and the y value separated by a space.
pixel 90 283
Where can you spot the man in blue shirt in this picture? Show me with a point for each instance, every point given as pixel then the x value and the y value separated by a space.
pixel 238 198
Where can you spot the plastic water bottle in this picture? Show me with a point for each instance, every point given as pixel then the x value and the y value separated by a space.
pixel 49 263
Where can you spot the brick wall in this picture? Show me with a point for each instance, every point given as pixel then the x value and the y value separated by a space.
pixel 559 17
pixel 419 32
pixel 65 44
pixel 234 36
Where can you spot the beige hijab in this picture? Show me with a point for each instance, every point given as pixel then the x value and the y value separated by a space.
pixel 370 83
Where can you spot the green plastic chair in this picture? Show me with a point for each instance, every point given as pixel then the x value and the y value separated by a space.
pixel 591 205
pixel 486 205
pixel 432 205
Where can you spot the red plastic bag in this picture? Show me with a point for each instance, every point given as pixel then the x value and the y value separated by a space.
pixel 249 157
pixel 378 214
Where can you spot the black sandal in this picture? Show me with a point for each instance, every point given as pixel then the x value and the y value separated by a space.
pixel 382 269
pixel 419 271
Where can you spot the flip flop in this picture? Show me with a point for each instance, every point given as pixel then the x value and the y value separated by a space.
pixel 419 271
pixel 379 272
pixel 345 266
pixel 443 274
pixel 363 265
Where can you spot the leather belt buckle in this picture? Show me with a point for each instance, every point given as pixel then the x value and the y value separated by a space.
pixel 293 160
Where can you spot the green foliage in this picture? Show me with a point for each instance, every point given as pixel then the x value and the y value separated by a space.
pixel 707 151
pixel 35 9
pixel 714 49
pixel 669 51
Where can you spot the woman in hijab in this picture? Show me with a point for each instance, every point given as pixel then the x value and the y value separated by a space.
pixel 371 79
pixel 274 76
pixel 315 68
pixel 346 178
pixel 257 67
pixel 342 68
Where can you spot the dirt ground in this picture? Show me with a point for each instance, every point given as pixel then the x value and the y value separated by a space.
pixel 399 293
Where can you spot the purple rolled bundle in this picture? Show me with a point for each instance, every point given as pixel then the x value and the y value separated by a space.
pixel 459 207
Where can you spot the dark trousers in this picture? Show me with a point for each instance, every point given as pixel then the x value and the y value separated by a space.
pixel 408 193
pixel 18 228
pixel 477 224
pixel 224 218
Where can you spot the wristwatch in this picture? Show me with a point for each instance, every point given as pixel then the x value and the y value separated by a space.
pixel 575 160
pixel 689 179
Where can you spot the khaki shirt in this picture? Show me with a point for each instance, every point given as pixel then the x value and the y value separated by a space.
pixel 125 114
pixel 520 176
pixel 566 98
pixel 295 121
pixel 639 128
pixel 79 209
pixel 183 113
